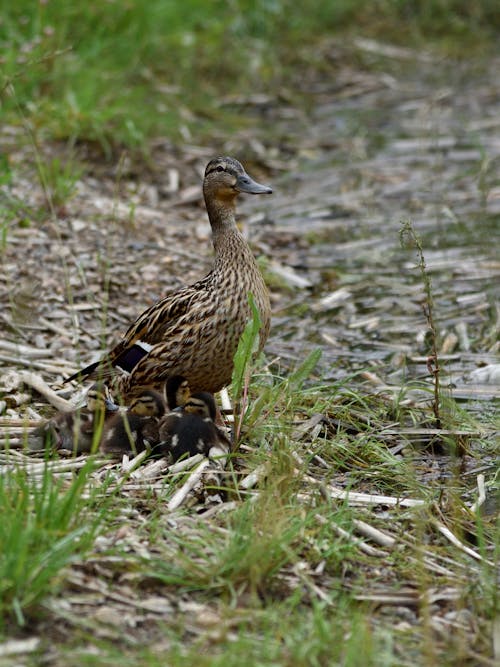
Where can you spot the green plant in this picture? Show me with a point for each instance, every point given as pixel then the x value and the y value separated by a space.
pixel 58 179
pixel 433 365
pixel 45 525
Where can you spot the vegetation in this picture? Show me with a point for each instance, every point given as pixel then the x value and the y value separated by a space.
pixel 334 536
pixel 285 573
pixel 119 73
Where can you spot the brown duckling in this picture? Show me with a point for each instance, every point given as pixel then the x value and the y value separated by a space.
pixel 191 430
pixel 136 429
pixel 195 331
pixel 177 391
pixel 79 429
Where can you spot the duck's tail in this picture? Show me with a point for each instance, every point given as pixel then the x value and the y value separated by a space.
pixel 124 361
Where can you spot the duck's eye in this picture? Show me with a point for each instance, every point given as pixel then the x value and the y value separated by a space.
pixel 220 168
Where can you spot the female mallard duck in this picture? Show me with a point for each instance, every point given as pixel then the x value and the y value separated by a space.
pixel 194 332
pixel 79 429
pixel 191 429
pixel 136 429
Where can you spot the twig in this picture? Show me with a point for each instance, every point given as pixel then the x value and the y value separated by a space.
pixel 366 548
pixel 150 470
pixel 129 464
pixel 455 541
pixel 374 534
pixel 180 495
pixel 22 350
pixel 354 498
pixel 38 384
pixel 227 408
pixel 31 363
pixel 180 466
pixel 482 494
pixel 17 646
pixel 253 478
pixel 407 600
pixel 23 423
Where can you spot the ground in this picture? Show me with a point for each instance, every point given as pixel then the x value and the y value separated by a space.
pixel 405 568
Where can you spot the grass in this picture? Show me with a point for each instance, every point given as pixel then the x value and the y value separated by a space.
pixel 46 525
pixel 117 74
pixel 279 575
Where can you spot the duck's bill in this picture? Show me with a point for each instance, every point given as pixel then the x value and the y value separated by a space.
pixel 248 185
pixel 110 406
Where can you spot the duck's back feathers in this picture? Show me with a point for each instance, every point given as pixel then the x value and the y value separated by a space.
pixel 195 331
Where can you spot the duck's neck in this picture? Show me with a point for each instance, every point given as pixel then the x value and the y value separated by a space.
pixel 221 214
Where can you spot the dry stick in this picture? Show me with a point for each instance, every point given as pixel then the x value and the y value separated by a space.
pixel 38 384
pixel 22 350
pixel 38 469
pixel 17 646
pixel 310 584
pixel 253 478
pixel 227 408
pixel 26 423
pixel 85 583
pixel 369 550
pixel 129 464
pixel 352 497
pixel 482 494
pixel 61 331
pixel 408 600
pixel 193 479
pixel 39 365
pixel 455 541
pixel 180 466
pixel 11 442
pixel 152 469
pixel 374 534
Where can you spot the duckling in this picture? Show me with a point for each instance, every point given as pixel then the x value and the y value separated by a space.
pixel 191 429
pixel 77 430
pixel 178 391
pixel 194 331
pixel 137 428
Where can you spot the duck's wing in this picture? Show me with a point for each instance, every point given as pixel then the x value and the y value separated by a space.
pixel 148 330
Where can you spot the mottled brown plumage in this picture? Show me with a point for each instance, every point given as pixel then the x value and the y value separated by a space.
pixel 194 332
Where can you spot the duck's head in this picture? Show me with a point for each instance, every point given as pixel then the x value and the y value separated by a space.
pixel 149 403
pixel 177 391
pixel 99 398
pixel 225 178
pixel 201 404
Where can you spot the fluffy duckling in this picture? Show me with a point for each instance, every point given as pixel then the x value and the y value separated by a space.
pixel 191 430
pixel 136 429
pixel 195 331
pixel 79 429
pixel 178 391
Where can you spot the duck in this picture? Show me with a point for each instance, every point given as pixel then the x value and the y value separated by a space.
pixel 136 429
pixel 194 331
pixel 78 430
pixel 177 391
pixel 190 429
